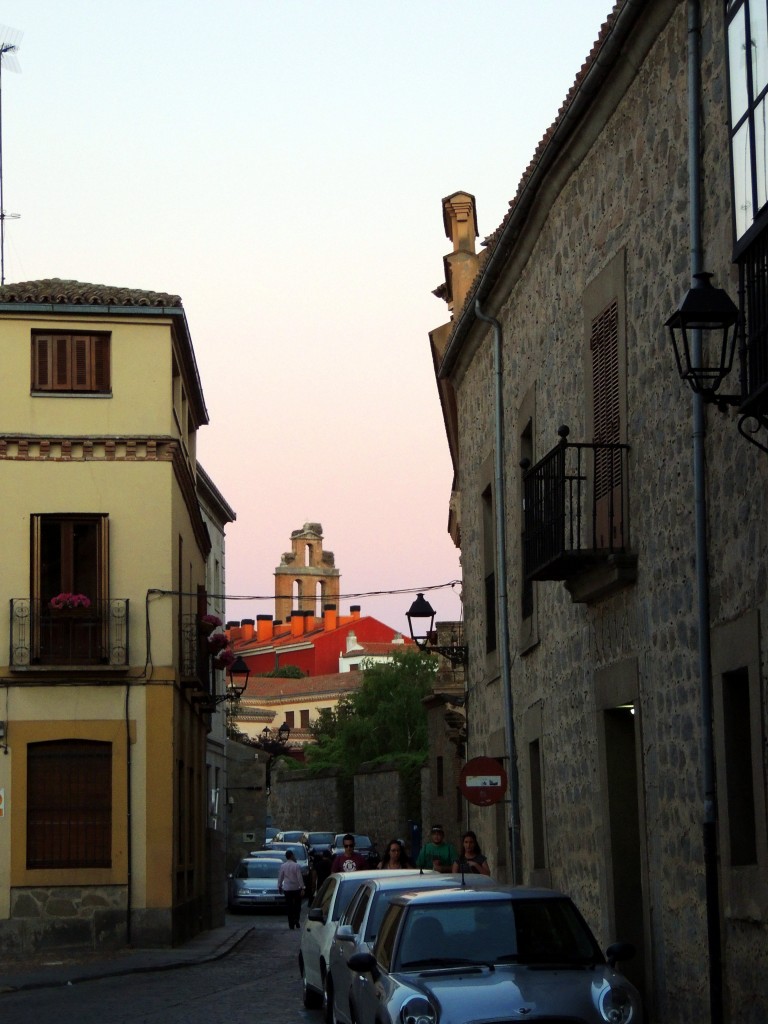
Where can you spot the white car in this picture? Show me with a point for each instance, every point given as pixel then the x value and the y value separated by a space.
pixel 330 902
pixel 359 925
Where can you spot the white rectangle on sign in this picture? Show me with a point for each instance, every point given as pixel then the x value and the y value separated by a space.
pixel 483 781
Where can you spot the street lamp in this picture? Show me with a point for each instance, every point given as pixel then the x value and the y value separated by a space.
pixel 425 636
pixel 703 336
pixel 239 674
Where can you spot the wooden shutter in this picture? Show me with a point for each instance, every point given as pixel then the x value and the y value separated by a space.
pixel 101 376
pixel 604 344
pixel 61 363
pixel 71 362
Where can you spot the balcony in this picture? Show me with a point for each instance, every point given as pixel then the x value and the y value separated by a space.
pixel 42 637
pixel 576 526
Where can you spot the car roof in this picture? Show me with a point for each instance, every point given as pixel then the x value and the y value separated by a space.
pixel 495 892
pixel 245 860
pixel 439 879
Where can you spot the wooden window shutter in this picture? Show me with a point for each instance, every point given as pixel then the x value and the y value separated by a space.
pixel 604 343
pixel 81 363
pixel 41 362
pixel 101 378
pixel 61 364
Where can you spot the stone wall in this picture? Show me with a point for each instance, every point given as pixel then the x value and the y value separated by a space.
pixel 619 196
pixel 64 917
pixel 300 799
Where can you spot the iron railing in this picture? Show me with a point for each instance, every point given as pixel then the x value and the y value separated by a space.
pixel 575 502
pixel 42 636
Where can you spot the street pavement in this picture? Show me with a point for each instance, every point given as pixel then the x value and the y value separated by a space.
pixel 244 973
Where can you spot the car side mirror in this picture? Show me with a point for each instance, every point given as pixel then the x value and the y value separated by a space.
pixel 345 932
pixel 363 963
pixel 316 914
pixel 619 951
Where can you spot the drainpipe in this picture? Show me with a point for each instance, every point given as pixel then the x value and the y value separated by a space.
pixel 709 825
pixel 515 846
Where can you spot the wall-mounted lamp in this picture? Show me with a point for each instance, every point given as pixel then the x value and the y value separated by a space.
pixel 421 623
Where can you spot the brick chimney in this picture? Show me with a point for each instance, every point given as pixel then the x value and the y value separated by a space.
pixel 246 629
pixel 330 617
pixel 297 623
pixel 263 627
pixel 355 611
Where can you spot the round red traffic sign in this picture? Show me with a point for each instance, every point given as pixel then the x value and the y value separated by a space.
pixel 483 781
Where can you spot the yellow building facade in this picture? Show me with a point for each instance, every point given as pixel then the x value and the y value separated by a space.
pixel 103 689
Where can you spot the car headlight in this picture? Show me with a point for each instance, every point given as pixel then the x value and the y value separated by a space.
pixel 418 1010
pixel 617 1005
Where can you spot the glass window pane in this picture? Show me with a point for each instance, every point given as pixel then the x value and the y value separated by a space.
pixel 761 154
pixel 742 182
pixel 758 31
pixel 737 48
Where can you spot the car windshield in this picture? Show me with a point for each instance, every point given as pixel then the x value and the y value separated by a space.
pixel 258 869
pixel 361 842
pixel 536 932
pixel 291 837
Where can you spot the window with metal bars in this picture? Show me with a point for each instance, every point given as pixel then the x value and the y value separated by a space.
pixel 70 362
pixel 69 804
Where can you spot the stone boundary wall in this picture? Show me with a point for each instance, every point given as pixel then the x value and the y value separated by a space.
pixel 381 806
pixel 300 799
pixel 65 917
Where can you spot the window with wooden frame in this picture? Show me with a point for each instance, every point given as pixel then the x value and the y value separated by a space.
pixel 69 804
pixel 77 363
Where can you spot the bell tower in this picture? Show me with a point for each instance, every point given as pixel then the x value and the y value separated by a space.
pixel 307 578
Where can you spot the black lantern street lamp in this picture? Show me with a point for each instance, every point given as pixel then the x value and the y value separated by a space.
pixel 425 636
pixel 239 674
pixel 703 335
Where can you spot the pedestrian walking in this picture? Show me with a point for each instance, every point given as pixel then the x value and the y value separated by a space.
pixel 471 859
pixel 349 860
pixel 437 854
pixel 290 882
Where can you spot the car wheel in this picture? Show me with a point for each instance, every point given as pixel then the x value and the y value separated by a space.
pixel 328 1014
pixel 311 999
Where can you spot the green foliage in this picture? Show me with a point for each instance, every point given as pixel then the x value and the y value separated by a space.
pixel 285 672
pixel 384 720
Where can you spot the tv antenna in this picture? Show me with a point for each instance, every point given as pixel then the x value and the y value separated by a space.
pixel 10 39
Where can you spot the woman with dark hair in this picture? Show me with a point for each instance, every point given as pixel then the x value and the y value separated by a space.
pixel 394 857
pixel 471 858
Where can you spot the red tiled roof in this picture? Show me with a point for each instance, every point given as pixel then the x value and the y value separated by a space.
pixel 77 293
pixel 269 687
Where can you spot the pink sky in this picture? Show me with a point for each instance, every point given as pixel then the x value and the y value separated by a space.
pixel 280 164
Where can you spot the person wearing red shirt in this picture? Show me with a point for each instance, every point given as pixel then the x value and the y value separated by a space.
pixel 349 860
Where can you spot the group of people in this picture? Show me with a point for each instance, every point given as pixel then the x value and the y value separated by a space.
pixel 436 854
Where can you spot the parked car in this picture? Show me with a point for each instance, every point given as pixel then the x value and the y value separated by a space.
pixel 278 849
pixel 449 956
pixel 360 922
pixel 316 841
pixel 363 845
pixel 269 834
pixel 330 902
pixel 295 835
pixel 253 884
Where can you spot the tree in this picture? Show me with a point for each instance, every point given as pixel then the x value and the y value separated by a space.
pixel 385 720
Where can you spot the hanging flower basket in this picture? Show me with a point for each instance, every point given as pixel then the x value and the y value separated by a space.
pixel 224 659
pixel 208 623
pixel 67 600
pixel 217 642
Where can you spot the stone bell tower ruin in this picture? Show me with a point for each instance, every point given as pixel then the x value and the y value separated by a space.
pixel 307 578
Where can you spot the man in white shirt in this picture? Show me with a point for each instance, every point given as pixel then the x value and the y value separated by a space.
pixel 290 882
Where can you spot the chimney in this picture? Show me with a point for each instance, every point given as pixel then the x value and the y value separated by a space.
pixel 263 627
pixel 330 618
pixel 297 623
pixel 246 629
pixel 309 621
pixel 233 631
pixel 355 611
pixel 352 643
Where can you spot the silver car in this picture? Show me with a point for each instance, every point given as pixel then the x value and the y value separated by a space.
pixel 360 922
pixel 253 883
pixel 330 902
pixel 496 954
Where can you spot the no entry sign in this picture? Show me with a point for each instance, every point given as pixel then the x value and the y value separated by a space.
pixel 483 781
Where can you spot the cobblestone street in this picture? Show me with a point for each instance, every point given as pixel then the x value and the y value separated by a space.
pixel 257 982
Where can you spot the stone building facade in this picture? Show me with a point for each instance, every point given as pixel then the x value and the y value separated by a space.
pixel 596 641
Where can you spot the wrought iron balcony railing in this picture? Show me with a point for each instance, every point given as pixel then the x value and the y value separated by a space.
pixel 42 636
pixel 575 509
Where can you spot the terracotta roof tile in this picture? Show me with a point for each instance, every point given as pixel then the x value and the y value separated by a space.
pixel 77 293
pixel 277 688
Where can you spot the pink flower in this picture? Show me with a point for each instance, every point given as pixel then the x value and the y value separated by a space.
pixel 217 642
pixel 67 600
pixel 224 658
pixel 211 620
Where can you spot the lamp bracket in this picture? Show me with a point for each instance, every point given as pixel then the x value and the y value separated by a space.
pixel 760 421
pixel 457 654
